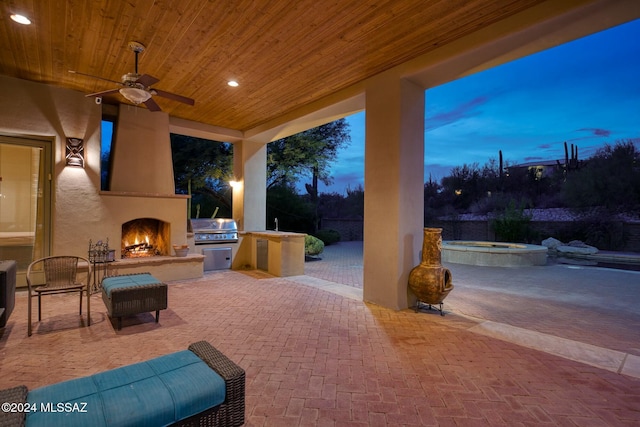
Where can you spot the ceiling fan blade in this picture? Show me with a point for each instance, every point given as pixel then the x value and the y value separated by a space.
pixel 146 80
pixel 104 92
pixel 151 105
pixel 175 97
pixel 94 77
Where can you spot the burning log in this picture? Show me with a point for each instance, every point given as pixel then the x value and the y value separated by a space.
pixel 139 250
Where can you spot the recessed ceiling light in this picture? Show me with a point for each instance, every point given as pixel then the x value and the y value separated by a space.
pixel 233 83
pixel 21 19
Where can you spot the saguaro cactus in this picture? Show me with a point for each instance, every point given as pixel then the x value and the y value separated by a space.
pixel 571 162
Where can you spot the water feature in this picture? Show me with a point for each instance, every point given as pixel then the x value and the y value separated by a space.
pixel 498 254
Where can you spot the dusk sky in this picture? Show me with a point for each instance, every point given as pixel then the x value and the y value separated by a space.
pixel 586 93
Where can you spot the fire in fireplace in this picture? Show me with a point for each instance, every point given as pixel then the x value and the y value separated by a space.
pixel 139 249
pixel 145 237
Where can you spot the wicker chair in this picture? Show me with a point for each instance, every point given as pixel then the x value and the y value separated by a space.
pixel 56 275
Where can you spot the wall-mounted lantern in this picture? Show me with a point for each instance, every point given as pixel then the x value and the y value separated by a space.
pixel 75 152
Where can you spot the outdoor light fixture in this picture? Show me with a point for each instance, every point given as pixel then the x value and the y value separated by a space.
pixel 75 152
pixel 135 95
pixel 233 83
pixel 234 184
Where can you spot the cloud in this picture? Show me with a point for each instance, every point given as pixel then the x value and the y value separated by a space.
pixel 436 171
pixel 544 146
pixel 597 131
pixel 342 181
pixel 533 159
pixel 463 111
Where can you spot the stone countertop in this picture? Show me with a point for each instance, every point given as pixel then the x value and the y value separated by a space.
pixel 272 234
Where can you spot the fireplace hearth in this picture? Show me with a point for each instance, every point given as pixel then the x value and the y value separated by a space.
pixel 145 237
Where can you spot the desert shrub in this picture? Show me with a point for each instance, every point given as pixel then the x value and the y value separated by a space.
pixel 328 237
pixel 596 227
pixel 312 245
pixel 513 224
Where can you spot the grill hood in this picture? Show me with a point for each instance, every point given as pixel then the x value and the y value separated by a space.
pixel 216 230
pixel 212 225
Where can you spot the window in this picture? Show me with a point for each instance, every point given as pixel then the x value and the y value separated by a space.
pixel 106 140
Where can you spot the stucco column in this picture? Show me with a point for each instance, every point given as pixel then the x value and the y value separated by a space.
pixel 394 182
pixel 250 196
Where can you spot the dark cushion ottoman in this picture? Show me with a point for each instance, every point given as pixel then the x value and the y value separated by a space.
pixel 130 294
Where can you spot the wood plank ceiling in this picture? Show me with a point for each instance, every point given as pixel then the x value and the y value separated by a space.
pixel 283 53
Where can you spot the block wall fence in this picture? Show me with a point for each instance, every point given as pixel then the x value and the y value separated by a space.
pixel 623 236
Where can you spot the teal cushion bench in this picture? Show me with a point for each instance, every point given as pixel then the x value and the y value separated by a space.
pixel 130 294
pixel 199 386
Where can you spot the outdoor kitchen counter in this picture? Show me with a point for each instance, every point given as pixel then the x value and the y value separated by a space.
pixel 280 253
pixel 274 234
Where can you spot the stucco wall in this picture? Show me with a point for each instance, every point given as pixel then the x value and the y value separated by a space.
pixel 79 211
pixel 32 109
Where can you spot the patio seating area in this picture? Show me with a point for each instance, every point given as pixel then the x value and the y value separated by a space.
pixel 315 354
pixel 198 386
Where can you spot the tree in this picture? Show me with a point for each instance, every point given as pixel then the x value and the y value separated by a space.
pixel 293 212
pixel 432 199
pixel 354 202
pixel 609 179
pixel 202 168
pixel 310 152
pixel 463 186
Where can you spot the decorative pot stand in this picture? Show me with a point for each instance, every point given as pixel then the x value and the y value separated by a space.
pixel 420 304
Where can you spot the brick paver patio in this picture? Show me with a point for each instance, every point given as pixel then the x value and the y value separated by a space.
pixel 315 357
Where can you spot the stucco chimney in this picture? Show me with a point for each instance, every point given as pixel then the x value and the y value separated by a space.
pixel 141 151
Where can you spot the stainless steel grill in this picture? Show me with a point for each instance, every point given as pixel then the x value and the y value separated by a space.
pixel 216 230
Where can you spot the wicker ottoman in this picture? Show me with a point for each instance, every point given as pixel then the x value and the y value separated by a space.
pixel 133 294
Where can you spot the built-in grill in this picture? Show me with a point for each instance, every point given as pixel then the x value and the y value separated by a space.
pixel 216 230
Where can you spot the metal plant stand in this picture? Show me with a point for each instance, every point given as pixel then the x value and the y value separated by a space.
pixel 420 304
pixel 99 256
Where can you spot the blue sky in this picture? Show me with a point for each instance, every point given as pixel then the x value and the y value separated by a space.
pixel 586 93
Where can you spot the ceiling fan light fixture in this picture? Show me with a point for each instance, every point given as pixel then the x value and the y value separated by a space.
pixel 135 95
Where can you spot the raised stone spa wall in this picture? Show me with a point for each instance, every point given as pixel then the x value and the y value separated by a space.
pixel 493 253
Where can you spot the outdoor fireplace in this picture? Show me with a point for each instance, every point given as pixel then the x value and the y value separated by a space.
pixel 145 237
pixel 141 208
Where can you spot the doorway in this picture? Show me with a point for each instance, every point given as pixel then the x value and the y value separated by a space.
pixel 25 201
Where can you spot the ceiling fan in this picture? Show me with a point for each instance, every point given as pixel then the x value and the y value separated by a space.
pixel 136 88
